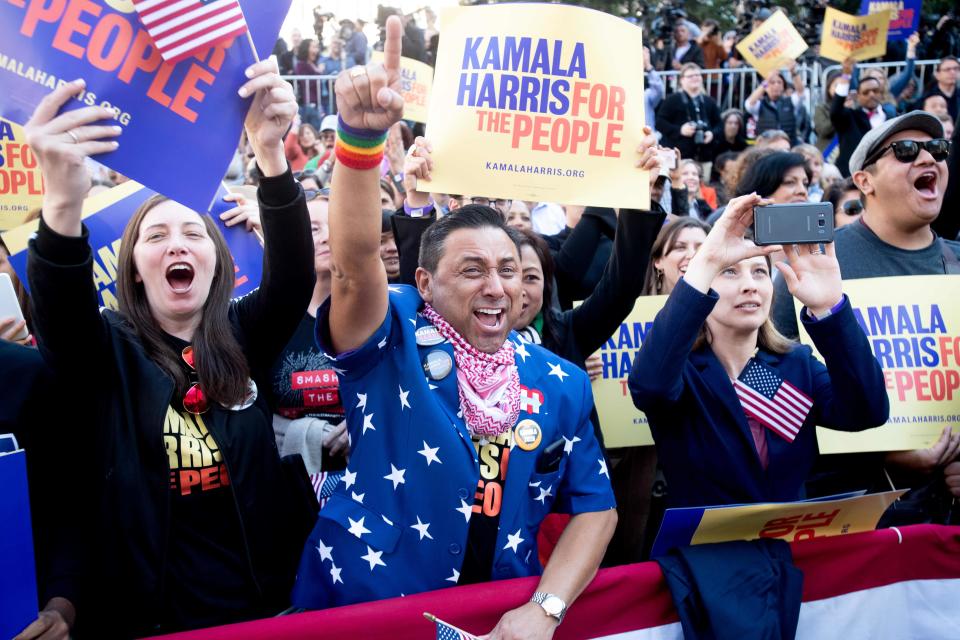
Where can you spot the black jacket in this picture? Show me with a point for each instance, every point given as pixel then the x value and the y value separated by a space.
pixel 851 125
pixel 678 109
pixel 129 395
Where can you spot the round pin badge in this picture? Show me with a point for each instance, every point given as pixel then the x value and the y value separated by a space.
pixel 437 364
pixel 251 397
pixel 527 435
pixel 428 336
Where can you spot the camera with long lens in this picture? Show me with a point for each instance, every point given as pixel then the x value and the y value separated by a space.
pixel 669 13
pixel 809 22
pixel 699 136
pixel 746 11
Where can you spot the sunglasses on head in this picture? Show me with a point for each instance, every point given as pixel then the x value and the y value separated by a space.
pixel 908 150
pixel 194 400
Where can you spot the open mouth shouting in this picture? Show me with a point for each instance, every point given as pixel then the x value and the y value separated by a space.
pixel 491 318
pixel 180 277
pixel 926 185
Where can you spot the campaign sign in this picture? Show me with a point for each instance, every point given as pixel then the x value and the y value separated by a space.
pixel 21 184
pixel 790 521
pixel 904 16
pixel 181 122
pixel 772 45
pixel 913 325
pixel 106 214
pixel 624 425
pixel 530 102
pixel 861 37
pixel 416 81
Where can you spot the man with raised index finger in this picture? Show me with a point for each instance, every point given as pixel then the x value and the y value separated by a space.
pixel 463 439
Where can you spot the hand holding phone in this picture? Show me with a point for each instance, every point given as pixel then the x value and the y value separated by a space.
pixel 11 316
pixel 798 223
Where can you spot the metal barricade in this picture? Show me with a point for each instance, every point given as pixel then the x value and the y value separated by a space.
pixel 314 91
pixel 923 69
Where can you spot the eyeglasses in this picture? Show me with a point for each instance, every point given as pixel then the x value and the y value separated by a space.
pixel 852 207
pixel 311 194
pixel 194 400
pixel 908 150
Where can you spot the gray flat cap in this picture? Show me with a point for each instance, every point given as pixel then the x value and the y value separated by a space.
pixel 874 139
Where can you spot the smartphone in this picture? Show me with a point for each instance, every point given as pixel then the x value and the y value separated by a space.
pixel 9 305
pixel 668 158
pixel 801 223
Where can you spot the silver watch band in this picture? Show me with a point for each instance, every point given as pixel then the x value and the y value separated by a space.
pixel 539 597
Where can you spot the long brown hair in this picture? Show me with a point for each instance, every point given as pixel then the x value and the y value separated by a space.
pixel 664 245
pixel 768 338
pixel 221 366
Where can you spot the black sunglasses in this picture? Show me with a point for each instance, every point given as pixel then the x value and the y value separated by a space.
pixel 852 207
pixel 908 150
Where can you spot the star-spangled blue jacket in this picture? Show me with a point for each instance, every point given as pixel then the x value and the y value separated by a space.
pixel 398 522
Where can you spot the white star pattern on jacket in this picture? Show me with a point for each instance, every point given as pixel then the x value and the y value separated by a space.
pixel 368 422
pixel 357 496
pixel 349 478
pixel 455 577
pixel 465 509
pixel 404 403
pixel 568 443
pixel 325 551
pixel 421 528
pixel 361 401
pixel 513 541
pixel 544 494
pixel 373 557
pixel 430 453
pixel 395 476
pixel 555 370
pixel 335 573
pixel 603 467
pixel 521 350
pixel 356 526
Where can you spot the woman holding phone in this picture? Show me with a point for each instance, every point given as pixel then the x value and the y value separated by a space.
pixel 712 353
pixel 197 522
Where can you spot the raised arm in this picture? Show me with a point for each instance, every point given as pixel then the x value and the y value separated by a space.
pixel 369 102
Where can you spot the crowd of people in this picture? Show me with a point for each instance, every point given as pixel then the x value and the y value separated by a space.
pixel 404 403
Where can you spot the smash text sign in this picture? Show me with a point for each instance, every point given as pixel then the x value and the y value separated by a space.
pixel 181 121
pixel 21 183
pixel 913 325
pixel 904 16
pixel 772 45
pixel 845 35
pixel 530 102
pixel 106 214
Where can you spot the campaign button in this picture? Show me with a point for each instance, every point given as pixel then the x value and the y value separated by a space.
pixel 527 435
pixel 428 336
pixel 437 364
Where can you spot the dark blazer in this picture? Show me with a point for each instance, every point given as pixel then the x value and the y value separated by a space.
pixel 703 440
pixel 674 112
pixel 851 125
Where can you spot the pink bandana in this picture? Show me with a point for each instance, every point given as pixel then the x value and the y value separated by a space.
pixel 489 383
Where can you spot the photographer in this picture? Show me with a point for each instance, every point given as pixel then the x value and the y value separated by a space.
pixel 683 49
pixel 687 118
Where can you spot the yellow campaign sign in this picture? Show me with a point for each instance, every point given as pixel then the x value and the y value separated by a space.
pixel 624 425
pixel 913 325
pixel 21 183
pixel 772 45
pixel 416 81
pixel 861 37
pixel 530 101
pixel 794 521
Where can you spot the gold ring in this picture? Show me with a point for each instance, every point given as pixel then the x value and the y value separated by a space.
pixel 356 72
pixel 74 136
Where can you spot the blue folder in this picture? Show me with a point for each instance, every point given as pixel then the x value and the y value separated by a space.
pixel 18 578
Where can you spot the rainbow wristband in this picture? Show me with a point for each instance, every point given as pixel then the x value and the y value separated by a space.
pixel 359 149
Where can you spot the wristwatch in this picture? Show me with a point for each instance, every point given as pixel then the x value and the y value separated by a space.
pixel 552 605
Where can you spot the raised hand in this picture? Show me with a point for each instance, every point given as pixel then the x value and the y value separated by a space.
pixel 270 114
pixel 417 165
pixel 725 244
pixel 61 143
pixel 813 276
pixel 368 97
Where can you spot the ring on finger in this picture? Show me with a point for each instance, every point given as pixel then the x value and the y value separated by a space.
pixel 70 133
pixel 356 72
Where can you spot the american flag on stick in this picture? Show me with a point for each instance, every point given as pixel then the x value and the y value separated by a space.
pixel 181 28
pixel 771 400
pixel 446 631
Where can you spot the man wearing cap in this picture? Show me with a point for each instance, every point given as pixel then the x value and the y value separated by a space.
pixel 462 439
pixel 900 168
pixel 322 165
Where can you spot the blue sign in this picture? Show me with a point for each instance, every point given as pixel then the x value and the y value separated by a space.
pixel 106 216
pixel 181 122
pixel 904 16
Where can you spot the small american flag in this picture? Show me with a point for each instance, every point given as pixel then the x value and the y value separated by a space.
pixel 448 631
pixel 771 400
pixel 181 28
